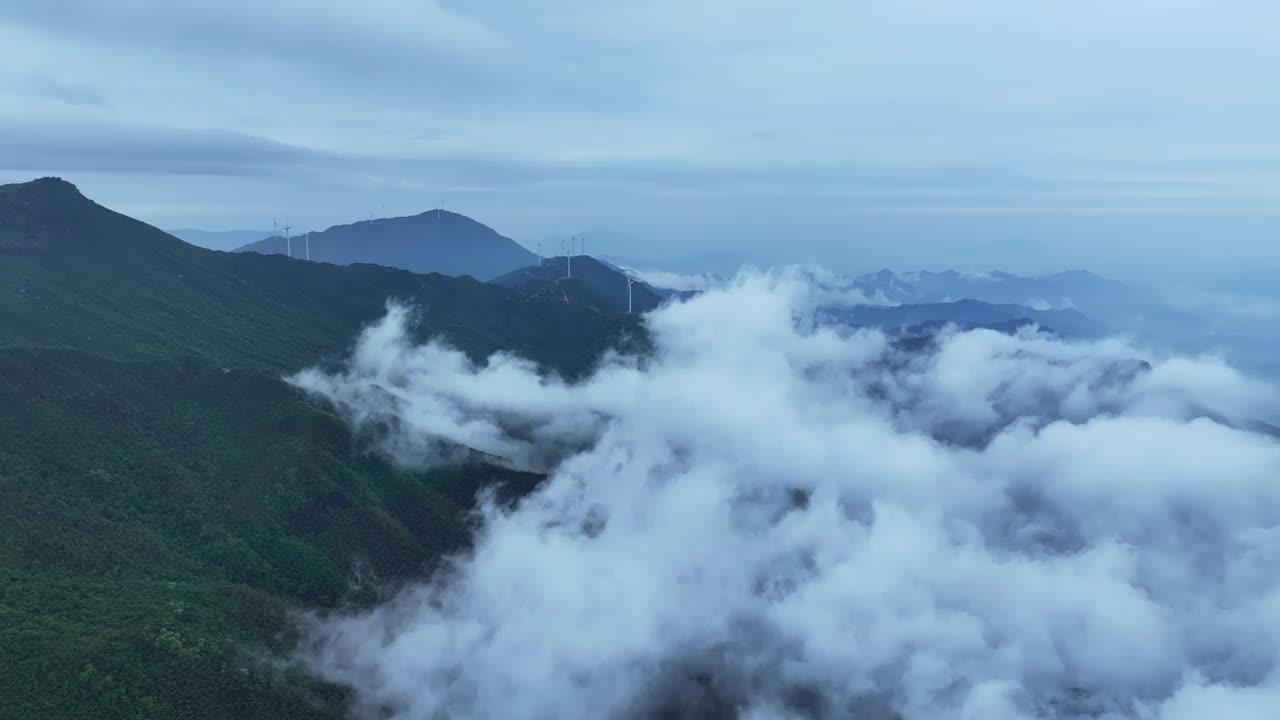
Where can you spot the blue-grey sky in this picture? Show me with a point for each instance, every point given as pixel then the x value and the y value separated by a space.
pixel 1120 136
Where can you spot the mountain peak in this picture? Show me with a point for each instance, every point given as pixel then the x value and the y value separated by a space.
pixel 53 182
pixel 49 216
pixel 440 213
pixel 33 215
pixel 602 284
pixel 47 187
pixel 433 241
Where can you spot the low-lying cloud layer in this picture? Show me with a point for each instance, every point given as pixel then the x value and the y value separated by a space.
pixel 772 519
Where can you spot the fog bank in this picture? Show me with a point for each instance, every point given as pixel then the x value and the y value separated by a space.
pixel 770 518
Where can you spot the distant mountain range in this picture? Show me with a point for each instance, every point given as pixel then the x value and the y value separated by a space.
pixel 220 239
pixel 1082 290
pixel 1097 305
pixel 596 282
pixel 967 314
pixel 437 241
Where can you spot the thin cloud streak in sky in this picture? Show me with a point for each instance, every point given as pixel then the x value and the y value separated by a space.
pixel 601 115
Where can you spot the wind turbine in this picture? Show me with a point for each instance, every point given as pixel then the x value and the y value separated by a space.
pixel 308 244
pixel 629 281
pixel 288 241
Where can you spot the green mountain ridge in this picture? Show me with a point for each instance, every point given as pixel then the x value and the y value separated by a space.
pixel 167 499
pixel 594 282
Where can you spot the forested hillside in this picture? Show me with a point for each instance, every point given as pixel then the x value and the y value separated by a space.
pixel 166 499
pixel 593 281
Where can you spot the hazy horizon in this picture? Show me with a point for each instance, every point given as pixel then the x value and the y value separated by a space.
pixel 1126 139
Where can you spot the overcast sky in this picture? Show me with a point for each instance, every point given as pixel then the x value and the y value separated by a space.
pixel 1130 136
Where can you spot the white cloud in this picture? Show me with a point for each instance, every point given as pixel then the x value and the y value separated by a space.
pixel 772 519
pixel 675 280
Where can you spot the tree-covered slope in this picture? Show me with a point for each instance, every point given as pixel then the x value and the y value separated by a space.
pixel 76 275
pixel 166 499
pixel 594 282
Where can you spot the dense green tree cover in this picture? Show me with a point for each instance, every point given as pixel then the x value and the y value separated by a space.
pixel 167 500
pixel 594 282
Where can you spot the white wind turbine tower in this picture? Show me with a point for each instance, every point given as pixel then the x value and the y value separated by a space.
pixel 308 244
pixel 288 241
pixel 629 282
